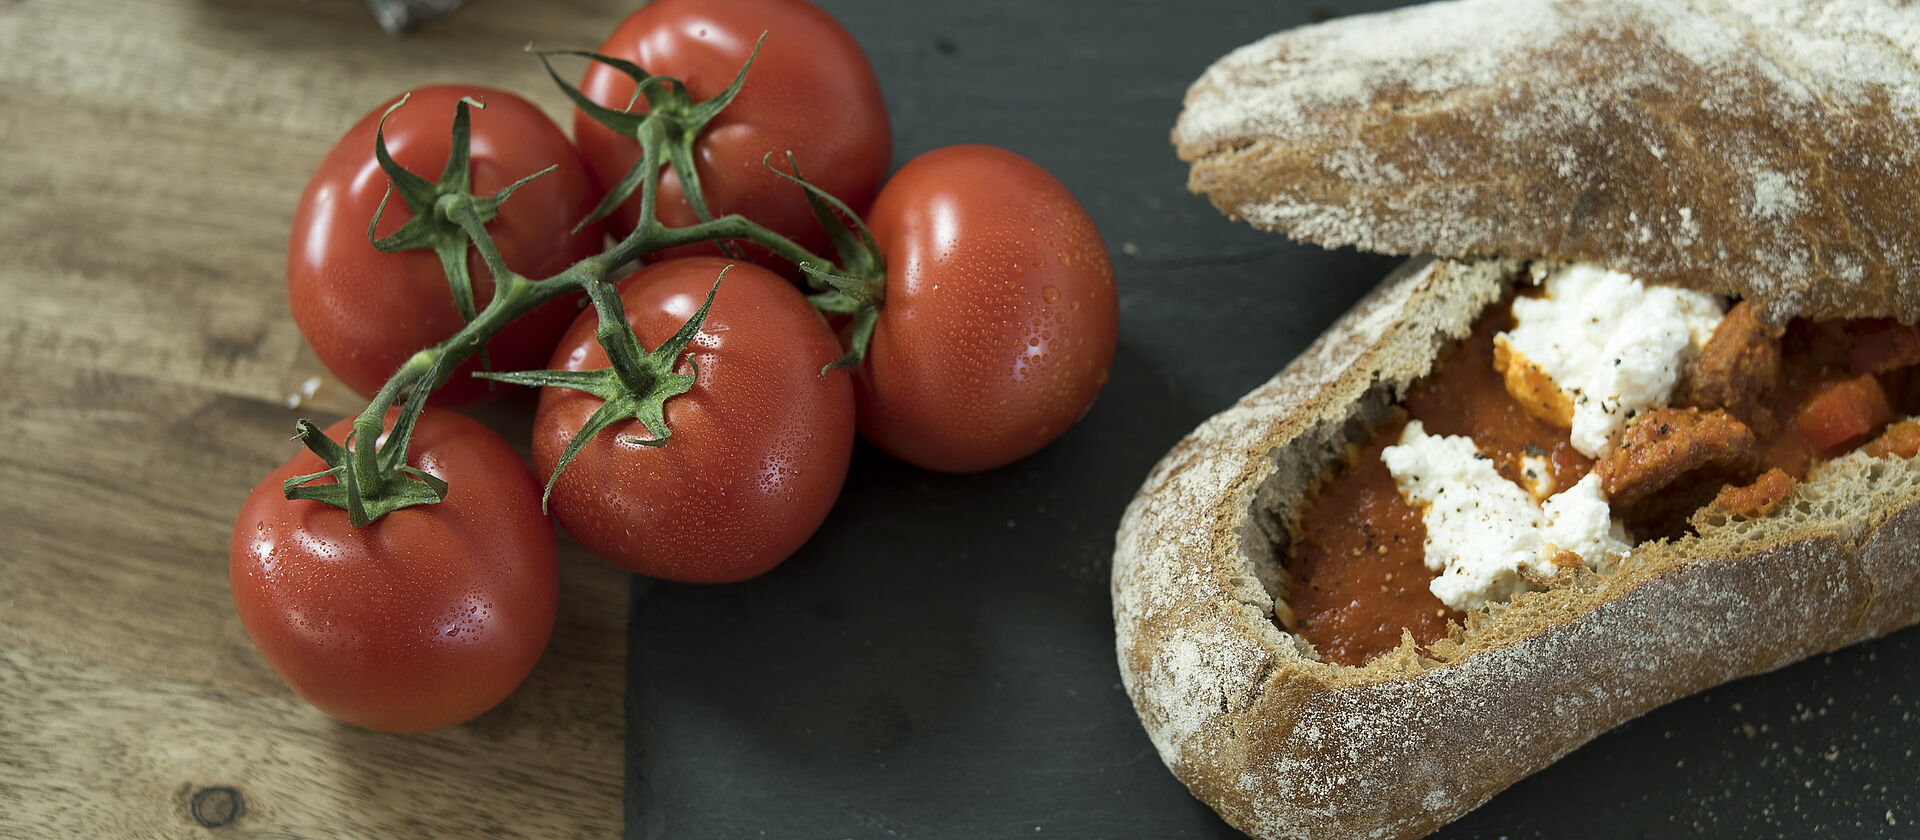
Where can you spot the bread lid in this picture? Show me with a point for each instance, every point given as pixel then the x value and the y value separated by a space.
pixel 1768 149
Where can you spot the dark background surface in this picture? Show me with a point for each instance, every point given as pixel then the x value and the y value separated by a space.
pixel 938 662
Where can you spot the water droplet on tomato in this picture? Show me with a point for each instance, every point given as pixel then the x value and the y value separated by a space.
pixel 1051 294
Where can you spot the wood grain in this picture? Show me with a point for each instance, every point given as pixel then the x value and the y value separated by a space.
pixel 150 155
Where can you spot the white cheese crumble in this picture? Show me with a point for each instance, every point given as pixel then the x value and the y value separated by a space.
pixel 1483 529
pixel 1611 344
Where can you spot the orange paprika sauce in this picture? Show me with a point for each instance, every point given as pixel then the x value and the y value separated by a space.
pixel 1358 559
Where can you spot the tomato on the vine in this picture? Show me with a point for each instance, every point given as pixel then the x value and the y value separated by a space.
pixel 424 619
pixel 810 91
pixel 1000 314
pixel 756 452
pixel 364 312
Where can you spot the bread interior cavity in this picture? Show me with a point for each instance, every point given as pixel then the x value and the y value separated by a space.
pixel 1349 383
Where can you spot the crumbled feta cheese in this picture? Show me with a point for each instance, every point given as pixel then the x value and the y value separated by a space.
pixel 1482 529
pixel 1578 520
pixel 1611 344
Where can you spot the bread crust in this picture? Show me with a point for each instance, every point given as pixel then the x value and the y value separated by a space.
pixel 1286 746
pixel 1742 147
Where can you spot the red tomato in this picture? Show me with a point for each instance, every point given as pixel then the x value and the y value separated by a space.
pixel 422 620
pixel 1843 412
pixel 757 449
pixel 811 91
pixel 1000 315
pixel 365 312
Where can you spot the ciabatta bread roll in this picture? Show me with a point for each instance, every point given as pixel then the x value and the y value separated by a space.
pixel 1765 152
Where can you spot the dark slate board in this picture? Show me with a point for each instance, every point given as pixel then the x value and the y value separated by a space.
pixel 938 662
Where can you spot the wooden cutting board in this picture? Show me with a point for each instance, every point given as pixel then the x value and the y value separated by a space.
pixel 150 157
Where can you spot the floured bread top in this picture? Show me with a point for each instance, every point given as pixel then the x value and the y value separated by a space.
pixel 1768 149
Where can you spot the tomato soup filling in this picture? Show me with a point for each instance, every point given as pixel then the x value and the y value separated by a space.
pixel 1754 409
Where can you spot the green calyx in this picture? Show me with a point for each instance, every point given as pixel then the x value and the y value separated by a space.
pixel 365 494
pixel 373 479
pixel 636 383
pixel 434 204
pixel 858 289
pixel 671 112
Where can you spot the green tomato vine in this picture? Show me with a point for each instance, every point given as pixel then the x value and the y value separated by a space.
pixel 370 474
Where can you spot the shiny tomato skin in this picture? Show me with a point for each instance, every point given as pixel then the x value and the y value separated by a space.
pixel 1000 315
pixel 364 312
pixel 426 618
pixel 811 91
pixel 757 451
